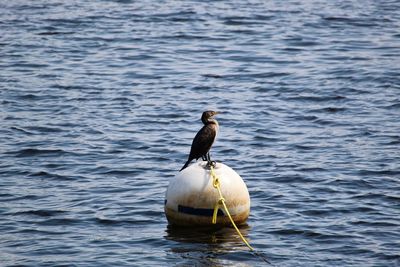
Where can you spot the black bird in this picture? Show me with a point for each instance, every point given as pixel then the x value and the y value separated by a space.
pixel 204 139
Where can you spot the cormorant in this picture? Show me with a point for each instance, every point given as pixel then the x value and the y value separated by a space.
pixel 204 139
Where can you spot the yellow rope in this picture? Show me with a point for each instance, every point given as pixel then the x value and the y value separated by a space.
pixel 220 202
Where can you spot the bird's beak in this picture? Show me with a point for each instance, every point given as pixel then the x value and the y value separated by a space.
pixel 216 112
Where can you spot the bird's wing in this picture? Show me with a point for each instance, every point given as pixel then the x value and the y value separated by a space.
pixel 203 141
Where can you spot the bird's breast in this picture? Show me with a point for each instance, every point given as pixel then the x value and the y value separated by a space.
pixel 215 126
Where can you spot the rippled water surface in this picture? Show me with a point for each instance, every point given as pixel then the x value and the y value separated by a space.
pixel 99 102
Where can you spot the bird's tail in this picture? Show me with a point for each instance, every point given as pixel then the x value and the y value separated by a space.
pixel 186 164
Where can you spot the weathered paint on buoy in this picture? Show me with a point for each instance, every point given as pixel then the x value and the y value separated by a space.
pixel 191 197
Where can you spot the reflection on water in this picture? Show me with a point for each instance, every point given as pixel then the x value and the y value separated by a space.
pixel 209 246
pixel 223 237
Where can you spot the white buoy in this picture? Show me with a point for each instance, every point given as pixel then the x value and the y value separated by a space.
pixel 191 197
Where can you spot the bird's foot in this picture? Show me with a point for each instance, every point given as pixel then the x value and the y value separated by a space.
pixel 211 163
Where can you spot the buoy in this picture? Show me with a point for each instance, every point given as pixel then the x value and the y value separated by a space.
pixel 191 197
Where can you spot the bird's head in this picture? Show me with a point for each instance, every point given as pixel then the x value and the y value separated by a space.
pixel 208 116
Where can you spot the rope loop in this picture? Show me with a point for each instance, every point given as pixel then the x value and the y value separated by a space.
pixel 216 183
pixel 221 202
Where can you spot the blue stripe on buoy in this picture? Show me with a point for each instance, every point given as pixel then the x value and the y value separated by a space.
pixel 198 211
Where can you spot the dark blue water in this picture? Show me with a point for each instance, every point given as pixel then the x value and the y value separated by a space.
pixel 99 102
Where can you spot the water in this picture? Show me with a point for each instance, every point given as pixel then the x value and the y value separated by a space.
pixel 100 101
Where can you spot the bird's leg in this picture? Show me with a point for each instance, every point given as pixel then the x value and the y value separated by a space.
pixel 204 157
pixel 209 161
